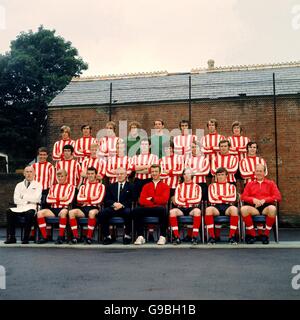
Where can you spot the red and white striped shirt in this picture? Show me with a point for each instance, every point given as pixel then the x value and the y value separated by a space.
pixel 108 146
pixel 83 144
pixel 238 146
pixel 183 144
pixel 200 167
pixel 219 193
pixel 175 165
pixel 91 194
pixel 229 162
pixel 210 144
pixel 187 195
pixel 44 174
pixel 98 164
pixel 73 170
pixel 143 160
pixel 113 163
pixel 58 192
pixel 57 153
pixel 247 167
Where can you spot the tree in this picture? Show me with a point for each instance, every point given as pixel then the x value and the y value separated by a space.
pixel 38 66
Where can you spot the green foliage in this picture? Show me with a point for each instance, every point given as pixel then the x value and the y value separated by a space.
pixel 38 66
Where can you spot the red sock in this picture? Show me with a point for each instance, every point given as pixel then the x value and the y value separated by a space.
pixel 189 231
pixel 218 228
pixel 74 228
pixel 42 225
pixel 269 223
pixel 234 220
pixel 260 229
pixel 62 226
pixel 196 225
pixel 209 221
pixel 249 225
pixel 91 227
pixel 174 226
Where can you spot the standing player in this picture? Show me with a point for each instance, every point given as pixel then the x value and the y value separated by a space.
pixel 89 198
pixel 222 196
pixel 237 141
pixel 133 140
pixel 82 147
pixel 187 199
pixel 108 144
pixel 260 197
pixel 58 145
pixel 159 139
pixel 60 197
pixel 183 143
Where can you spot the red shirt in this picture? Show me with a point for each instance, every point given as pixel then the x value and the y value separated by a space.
pixel 160 194
pixel 266 190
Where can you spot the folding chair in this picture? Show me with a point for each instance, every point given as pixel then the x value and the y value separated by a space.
pixel 116 222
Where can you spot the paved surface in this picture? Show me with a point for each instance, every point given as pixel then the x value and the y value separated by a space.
pixel 127 272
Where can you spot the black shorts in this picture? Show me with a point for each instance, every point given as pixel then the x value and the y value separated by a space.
pixel 56 211
pixel 222 208
pixel 186 211
pixel 86 210
pixel 261 208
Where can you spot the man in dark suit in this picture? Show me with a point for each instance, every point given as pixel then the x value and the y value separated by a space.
pixel 117 202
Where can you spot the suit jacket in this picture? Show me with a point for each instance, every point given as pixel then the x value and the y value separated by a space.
pixel 126 196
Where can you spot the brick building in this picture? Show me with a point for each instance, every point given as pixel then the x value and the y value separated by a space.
pixel 244 93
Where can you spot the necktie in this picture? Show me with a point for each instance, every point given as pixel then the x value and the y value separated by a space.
pixel 120 190
pixel 27 184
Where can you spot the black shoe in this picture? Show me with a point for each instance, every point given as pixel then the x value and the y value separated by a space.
pixel 10 241
pixel 25 241
pixel 258 238
pixel 232 240
pixel 211 240
pixel 218 239
pixel 59 240
pixel 42 241
pixel 187 239
pixel 127 240
pixel 249 239
pixel 176 240
pixel 107 241
pixel 88 241
pixel 194 241
pixel 74 240
pixel 150 237
pixel 265 239
pixel 31 238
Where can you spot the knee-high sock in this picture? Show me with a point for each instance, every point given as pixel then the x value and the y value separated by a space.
pixel 190 231
pixel 196 225
pixel 218 228
pixel 249 225
pixel 234 220
pixel 91 227
pixel 62 226
pixel 174 226
pixel 269 223
pixel 74 227
pixel 42 225
pixel 260 228
pixel 209 221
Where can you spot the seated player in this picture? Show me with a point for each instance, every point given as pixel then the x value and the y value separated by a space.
pixel 120 160
pixel 95 162
pixel 89 198
pixel 259 196
pixel 225 160
pixel 172 166
pixel 238 142
pixel 82 147
pixel 210 142
pixel 44 174
pixel 222 196
pixel 108 144
pixel 248 164
pixel 57 153
pixel 187 199
pixel 153 201
pixel 183 142
pixel 60 197
pixel 118 202
pixel 27 195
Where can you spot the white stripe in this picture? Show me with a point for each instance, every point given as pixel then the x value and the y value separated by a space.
pixel 195 230
pixel 174 228
pixel 250 228
pixel 62 225
pixel 268 228
pixel 218 226
pixel 260 228
pixel 233 227
pixel 73 228
pixel 209 226
pixel 91 228
pixel 42 225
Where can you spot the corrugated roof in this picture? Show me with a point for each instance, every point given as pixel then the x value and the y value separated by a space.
pixel 206 84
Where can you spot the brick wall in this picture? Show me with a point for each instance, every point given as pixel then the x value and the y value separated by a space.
pixel 255 114
pixel 7 187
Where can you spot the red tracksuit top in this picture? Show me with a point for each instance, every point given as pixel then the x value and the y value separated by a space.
pixel 160 195
pixel 266 189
